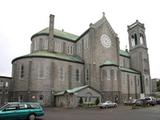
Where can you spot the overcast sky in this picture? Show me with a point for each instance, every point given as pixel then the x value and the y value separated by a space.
pixel 20 19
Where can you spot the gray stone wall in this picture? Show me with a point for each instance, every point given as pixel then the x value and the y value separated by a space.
pixel 45 75
pixel 64 46
pixel 124 62
pixel 130 85
pixel 39 43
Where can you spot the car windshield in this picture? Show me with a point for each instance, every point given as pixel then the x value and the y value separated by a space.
pixel 3 106
pixel 108 102
pixel 35 105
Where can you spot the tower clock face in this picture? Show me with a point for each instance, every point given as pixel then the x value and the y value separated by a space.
pixel 105 40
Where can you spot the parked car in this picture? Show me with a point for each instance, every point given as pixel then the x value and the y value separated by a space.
pixel 140 102
pixel 151 101
pixel 21 110
pixel 108 104
pixel 147 101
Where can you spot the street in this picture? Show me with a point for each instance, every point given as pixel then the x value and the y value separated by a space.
pixel 120 113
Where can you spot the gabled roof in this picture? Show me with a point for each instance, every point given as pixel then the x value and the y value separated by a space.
pixel 57 33
pixel 46 54
pixel 74 90
pixel 124 53
pixel 103 20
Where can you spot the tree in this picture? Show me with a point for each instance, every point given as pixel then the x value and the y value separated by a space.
pixel 80 101
pixel 97 101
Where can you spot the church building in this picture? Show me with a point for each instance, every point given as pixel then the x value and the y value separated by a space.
pixel 60 62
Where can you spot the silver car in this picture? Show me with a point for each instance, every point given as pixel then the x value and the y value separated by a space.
pixel 108 104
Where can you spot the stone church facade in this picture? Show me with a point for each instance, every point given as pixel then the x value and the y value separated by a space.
pixel 59 61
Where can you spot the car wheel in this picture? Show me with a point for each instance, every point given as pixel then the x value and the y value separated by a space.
pixel 31 117
pixel 148 104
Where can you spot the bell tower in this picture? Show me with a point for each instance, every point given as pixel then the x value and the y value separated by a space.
pixel 139 55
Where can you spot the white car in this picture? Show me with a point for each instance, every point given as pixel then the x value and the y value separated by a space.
pixel 108 104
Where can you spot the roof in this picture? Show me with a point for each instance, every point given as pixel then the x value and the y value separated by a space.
pixel 6 77
pixel 57 33
pixel 129 70
pixel 74 90
pixel 46 54
pixel 109 63
pixel 137 23
pixel 124 53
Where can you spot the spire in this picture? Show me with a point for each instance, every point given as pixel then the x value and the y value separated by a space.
pixel 103 14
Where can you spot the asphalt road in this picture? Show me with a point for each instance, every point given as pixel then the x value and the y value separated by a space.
pixel 120 113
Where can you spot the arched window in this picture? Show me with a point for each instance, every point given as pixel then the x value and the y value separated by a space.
pixel 112 74
pixel 108 74
pixel 141 38
pixel 132 41
pixel 77 75
pixel 22 71
pixel 61 73
pixel 135 38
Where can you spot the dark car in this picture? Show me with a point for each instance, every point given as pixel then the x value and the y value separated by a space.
pixel 21 110
pixel 151 101
pixel 148 101
pixel 140 102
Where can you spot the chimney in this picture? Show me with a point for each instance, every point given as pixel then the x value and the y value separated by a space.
pixel 51 26
pixel 51 34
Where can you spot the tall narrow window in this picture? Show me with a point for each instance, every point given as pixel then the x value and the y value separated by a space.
pixel 135 37
pixel 1 83
pixel 87 75
pixel 64 47
pixel 108 75
pixel 6 84
pixel 131 81
pixel 61 74
pixel 35 44
pixel 147 81
pixel 41 71
pixel 40 44
pixel 133 40
pixel 77 74
pixel 141 38
pixel 115 74
pixel 103 74
pixel 112 74
pixel 68 49
pixel 22 71
pixel 71 50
